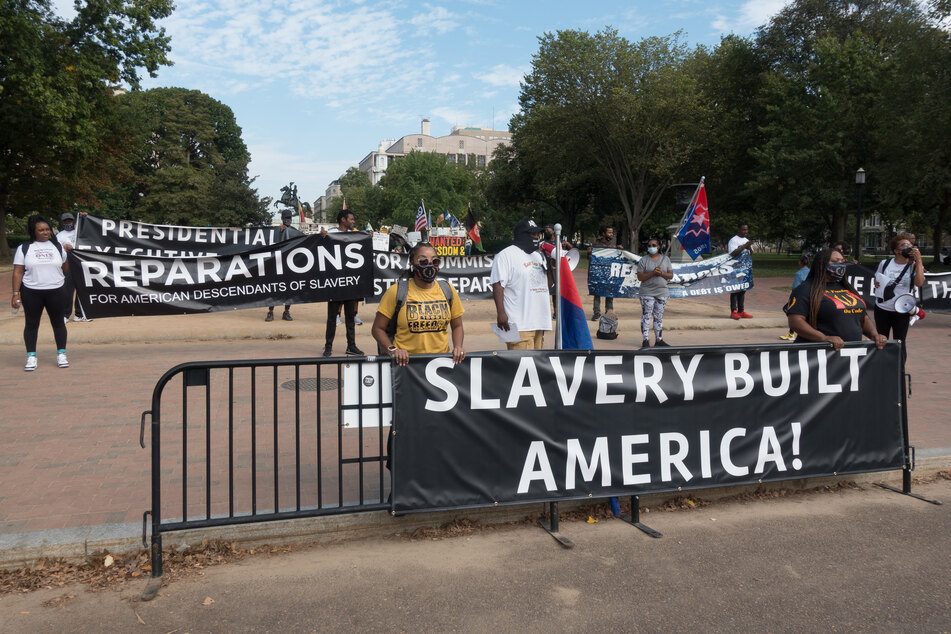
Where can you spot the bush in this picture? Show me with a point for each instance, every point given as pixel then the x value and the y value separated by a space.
pixel 14 240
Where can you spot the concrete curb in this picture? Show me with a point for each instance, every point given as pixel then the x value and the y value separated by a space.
pixel 75 544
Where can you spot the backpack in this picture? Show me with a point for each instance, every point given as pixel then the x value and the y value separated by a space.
pixel 607 327
pixel 402 290
pixel 25 247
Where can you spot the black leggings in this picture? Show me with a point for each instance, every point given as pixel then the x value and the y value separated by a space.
pixel 897 323
pixel 34 301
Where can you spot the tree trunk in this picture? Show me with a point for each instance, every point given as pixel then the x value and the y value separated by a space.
pixel 838 228
pixel 938 236
pixel 4 247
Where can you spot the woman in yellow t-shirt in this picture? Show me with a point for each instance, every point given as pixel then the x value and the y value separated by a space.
pixel 425 319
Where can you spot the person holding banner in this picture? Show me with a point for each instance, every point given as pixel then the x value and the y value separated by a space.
pixel 39 278
pixel 346 221
pixel 605 241
pixel 826 308
pixel 737 245
pixel 425 317
pixel 286 217
pixel 520 281
pixel 653 272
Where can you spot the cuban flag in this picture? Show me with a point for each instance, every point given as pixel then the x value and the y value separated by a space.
pixel 420 217
pixel 574 327
pixel 694 234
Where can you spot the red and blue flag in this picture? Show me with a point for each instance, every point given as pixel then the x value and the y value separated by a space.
pixel 574 327
pixel 694 234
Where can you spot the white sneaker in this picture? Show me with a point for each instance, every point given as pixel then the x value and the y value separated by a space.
pixel 357 320
pixel 338 320
pixel 65 320
pixel 30 363
pixel 61 360
pixel 78 318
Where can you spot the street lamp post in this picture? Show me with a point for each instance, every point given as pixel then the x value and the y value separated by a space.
pixel 860 181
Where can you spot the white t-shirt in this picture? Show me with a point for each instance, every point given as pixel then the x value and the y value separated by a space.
pixel 67 238
pixel 525 285
pixel 735 243
pixel 43 266
pixel 892 271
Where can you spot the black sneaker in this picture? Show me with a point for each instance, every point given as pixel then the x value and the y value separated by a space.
pixel 287 316
pixel 354 351
pixel 328 351
pixel 646 344
pixel 660 343
pixel 269 316
pixel 595 317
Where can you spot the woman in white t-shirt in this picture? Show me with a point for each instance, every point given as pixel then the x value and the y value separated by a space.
pixel 39 275
pixel 905 274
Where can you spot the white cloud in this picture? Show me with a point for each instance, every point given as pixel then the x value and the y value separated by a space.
pixel 503 75
pixel 357 54
pixel 751 14
pixel 438 19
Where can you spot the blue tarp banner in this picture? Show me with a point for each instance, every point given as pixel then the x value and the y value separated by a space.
pixel 613 273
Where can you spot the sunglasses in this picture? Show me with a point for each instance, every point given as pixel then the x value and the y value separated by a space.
pixel 904 245
pixel 426 262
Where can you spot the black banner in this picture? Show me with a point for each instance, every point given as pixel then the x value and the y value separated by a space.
pixel 469 274
pixel 125 237
pixel 935 295
pixel 517 427
pixel 312 268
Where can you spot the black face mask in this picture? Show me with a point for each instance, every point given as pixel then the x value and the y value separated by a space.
pixel 68 226
pixel 527 242
pixel 906 252
pixel 426 273
pixel 836 270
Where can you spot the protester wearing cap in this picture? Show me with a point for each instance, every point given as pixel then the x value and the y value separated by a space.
pixel 287 216
pixel 67 239
pixel 520 281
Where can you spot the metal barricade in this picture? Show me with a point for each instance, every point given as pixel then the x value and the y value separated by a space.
pixel 236 442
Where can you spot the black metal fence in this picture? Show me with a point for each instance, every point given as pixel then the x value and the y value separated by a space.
pixel 235 442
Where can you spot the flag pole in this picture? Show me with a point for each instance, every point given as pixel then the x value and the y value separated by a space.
pixel 558 326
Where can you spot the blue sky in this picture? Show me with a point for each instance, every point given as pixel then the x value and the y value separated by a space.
pixel 316 85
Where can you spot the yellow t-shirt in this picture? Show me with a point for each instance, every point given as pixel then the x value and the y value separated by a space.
pixel 422 327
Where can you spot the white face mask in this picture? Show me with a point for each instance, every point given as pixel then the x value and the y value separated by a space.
pixel 652 250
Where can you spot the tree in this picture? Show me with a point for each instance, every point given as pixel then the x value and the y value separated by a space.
pixel 631 109
pixel 191 165
pixel 58 140
pixel 364 199
pixel 426 176
pixel 823 103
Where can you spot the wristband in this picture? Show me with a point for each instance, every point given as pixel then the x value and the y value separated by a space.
pixel 16 292
pixel 391 349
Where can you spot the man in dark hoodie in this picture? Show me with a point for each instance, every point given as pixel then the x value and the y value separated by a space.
pixel 520 281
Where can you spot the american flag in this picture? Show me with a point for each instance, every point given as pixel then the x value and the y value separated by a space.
pixel 420 218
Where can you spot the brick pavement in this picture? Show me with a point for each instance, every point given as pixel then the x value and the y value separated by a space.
pixel 70 455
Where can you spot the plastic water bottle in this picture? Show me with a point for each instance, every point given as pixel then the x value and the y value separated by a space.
pixel 16 310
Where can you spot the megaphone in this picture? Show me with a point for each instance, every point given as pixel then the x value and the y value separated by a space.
pixel 574 256
pixel 906 303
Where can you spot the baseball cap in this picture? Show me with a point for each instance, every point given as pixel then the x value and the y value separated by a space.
pixel 67 216
pixel 526 226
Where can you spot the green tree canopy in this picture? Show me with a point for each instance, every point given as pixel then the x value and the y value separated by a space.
pixel 632 109
pixel 190 164
pixel 59 139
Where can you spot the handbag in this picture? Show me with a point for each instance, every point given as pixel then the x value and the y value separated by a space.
pixel 889 291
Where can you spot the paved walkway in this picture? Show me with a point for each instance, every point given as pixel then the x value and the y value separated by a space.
pixel 70 456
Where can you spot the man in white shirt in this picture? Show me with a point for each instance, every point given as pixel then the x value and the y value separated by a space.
pixel 737 245
pixel 67 238
pixel 520 281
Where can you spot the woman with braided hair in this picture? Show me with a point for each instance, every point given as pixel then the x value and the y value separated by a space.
pixel 827 308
